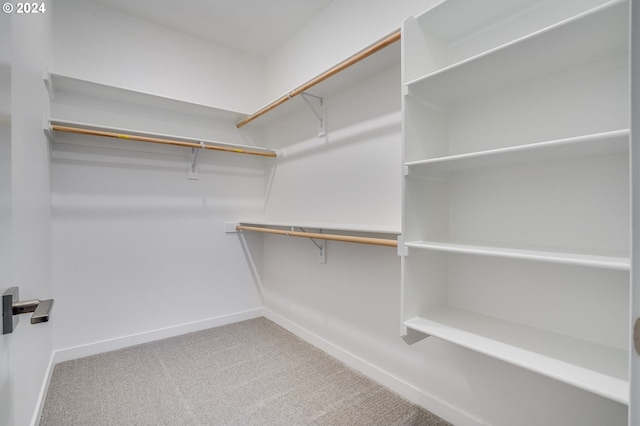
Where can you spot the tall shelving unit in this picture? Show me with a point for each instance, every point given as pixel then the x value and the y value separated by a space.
pixel 516 209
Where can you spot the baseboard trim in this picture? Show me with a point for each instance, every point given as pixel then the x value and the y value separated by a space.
pixel 94 348
pixel 43 392
pixel 406 390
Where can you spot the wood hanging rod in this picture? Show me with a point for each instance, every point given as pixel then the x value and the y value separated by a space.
pixel 332 237
pixel 390 39
pixel 92 132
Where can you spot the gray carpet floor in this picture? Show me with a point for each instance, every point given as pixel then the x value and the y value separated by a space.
pixel 248 373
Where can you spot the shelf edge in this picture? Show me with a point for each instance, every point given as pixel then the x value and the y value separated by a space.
pixel 513 43
pixel 327 226
pixel 603 262
pixel 616 389
pixel 521 149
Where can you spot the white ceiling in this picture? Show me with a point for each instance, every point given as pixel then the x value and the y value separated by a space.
pixel 256 27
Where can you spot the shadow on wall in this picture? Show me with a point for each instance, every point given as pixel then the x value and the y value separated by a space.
pixel 92 180
pixel 358 132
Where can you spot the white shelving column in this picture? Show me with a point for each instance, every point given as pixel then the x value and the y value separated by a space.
pixel 634 407
pixel 516 211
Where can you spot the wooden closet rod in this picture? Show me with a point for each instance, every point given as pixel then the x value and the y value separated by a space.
pixel 333 237
pixel 91 132
pixel 325 75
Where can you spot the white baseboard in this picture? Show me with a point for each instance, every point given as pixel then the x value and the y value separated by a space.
pixel 43 392
pixel 397 385
pixel 149 336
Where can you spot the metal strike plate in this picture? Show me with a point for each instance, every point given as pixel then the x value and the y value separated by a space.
pixel 636 336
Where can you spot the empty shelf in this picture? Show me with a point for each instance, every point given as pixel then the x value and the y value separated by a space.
pixel 597 34
pixel 596 368
pixel 592 260
pixel 586 146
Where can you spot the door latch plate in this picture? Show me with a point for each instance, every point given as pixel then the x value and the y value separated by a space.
pixel 636 335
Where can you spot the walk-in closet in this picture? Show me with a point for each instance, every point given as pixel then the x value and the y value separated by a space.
pixel 323 212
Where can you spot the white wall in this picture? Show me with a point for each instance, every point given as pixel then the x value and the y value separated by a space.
pixel 350 176
pixel 340 30
pixel 350 306
pixel 100 44
pixel 139 249
pixel 30 345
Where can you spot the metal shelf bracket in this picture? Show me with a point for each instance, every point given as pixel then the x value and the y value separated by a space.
pixel 322 244
pixel 319 115
pixel 193 161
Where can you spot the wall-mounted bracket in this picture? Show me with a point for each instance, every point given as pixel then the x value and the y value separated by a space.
pixel 48 83
pixel 12 307
pixel 402 249
pixel 46 125
pixel 193 162
pixel 322 245
pixel 230 227
pixel 319 115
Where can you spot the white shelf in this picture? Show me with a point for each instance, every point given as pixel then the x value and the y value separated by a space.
pixel 94 106
pixel 327 226
pixel 597 145
pixel 592 260
pixel 62 87
pixel 55 136
pixel 596 368
pixel 591 36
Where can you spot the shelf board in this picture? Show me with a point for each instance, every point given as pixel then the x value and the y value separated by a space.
pixel 591 36
pixel 596 368
pixel 373 229
pixel 62 87
pixel 591 260
pixel 125 133
pixel 587 146
pixel 438 19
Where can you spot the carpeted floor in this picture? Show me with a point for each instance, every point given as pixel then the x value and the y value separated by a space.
pixel 248 373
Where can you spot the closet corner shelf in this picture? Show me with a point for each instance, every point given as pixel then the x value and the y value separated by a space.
pixel 349 78
pixel 596 368
pixel 138 136
pixel 590 36
pixel 596 261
